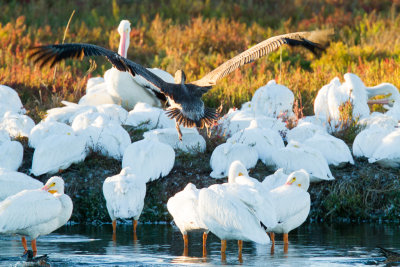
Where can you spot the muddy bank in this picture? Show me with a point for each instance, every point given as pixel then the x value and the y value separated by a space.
pixel 360 192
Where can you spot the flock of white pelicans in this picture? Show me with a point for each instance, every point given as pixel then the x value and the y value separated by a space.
pixel 243 208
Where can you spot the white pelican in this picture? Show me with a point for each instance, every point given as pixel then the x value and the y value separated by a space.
pixel 265 141
pixel 10 101
pixel 192 141
pixel 124 194
pixel 335 150
pixel 237 209
pixel 387 153
pixel 297 156
pixel 275 180
pixel 102 135
pixel 11 155
pixel 303 131
pixel 224 154
pixel 292 204
pixel 114 112
pixel 149 158
pixel 273 100
pixel 186 108
pixel 367 141
pixel 36 212
pixel 147 117
pixel 47 128
pixel 58 152
pixel 12 182
pixel 377 119
pixel 183 207
pixel 67 113
pixel 16 124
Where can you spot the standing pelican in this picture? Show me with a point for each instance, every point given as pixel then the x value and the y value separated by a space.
pixel 183 207
pixel 36 212
pixel 186 108
pixel 292 204
pixel 124 194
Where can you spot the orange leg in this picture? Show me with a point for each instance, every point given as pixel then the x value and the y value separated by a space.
pixel 272 236
pixel 272 249
pixel 285 238
pixel 114 226
pixel 185 241
pixel 34 248
pixel 134 225
pixel 223 246
pixel 285 242
pixel 240 245
pixel 204 239
pixel 23 240
pixel 185 251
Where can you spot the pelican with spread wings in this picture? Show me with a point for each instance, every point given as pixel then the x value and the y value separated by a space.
pixel 186 106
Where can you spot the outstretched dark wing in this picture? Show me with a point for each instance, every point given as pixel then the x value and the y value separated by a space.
pixel 51 54
pixel 315 41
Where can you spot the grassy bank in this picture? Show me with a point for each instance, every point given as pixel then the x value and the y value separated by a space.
pixel 197 36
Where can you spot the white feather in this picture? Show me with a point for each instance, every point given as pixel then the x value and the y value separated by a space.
pixel 47 128
pixel 124 194
pixel 147 117
pixel 35 212
pixel 192 141
pixel 57 152
pixel 228 217
pixel 265 141
pixel 10 101
pixel 224 154
pixel 273 100
pixel 183 207
pixel 297 156
pixel 149 158
pixel 335 150
pixel 11 155
pixel 292 203
pixel 12 182
pixel 16 124
pixel 387 153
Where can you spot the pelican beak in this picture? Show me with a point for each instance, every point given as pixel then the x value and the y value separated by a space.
pixel 291 181
pixel 240 174
pixel 47 188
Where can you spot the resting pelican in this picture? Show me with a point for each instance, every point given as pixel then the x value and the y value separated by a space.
pixel 36 212
pixel 186 108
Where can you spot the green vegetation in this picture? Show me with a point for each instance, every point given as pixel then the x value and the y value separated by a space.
pixel 197 36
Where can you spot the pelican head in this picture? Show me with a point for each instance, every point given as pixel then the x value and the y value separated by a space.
pixel 54 185
pixel 124 29
pixel 299 178
pixel 236 169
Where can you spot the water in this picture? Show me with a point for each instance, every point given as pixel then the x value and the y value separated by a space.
pixel 161 245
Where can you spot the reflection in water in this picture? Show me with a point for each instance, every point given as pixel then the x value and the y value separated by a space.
pixel 310 245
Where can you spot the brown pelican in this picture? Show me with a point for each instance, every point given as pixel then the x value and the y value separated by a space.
pixel 186 108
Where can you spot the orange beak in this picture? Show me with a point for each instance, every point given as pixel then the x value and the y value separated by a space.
pixel 290 182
